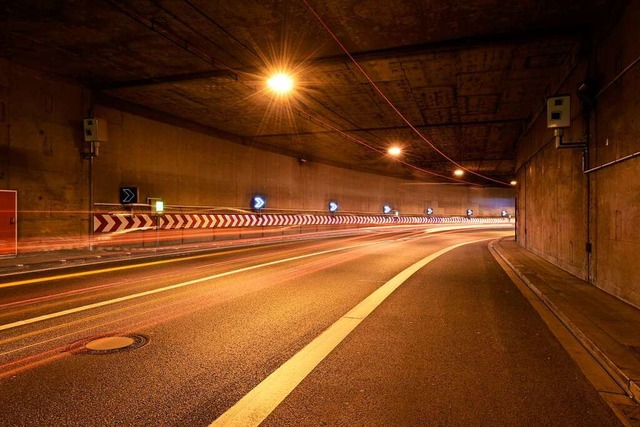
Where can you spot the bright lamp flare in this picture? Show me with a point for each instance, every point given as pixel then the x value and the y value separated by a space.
pixel 458 172
pixel 394 151
pixel 280 83
pixel 514 182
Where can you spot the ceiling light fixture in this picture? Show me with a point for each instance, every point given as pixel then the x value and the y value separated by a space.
pixel 394 151
pixel 458 172
pixel 514 182
pixel 280 83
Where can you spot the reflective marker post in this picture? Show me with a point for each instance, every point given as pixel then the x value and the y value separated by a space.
pixel 157 210
pixel 258 202
pixel 159 207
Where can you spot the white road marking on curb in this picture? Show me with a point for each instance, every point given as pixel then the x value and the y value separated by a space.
pixel 168 288
pixel 256 405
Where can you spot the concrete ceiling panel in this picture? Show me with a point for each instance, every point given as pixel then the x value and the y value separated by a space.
pixel 437 97
pixel 469 74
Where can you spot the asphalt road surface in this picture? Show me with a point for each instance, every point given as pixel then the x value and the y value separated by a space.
pixel 323 332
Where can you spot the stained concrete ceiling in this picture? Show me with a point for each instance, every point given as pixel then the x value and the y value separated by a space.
pixel 467 75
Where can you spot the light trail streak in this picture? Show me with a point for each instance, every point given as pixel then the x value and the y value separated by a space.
pixel 162 313
pixel 84 293
pixel 30 362
pixel 286 275
pixel 46 298
pixel 114 269
pixel 172 306
pixel 168 288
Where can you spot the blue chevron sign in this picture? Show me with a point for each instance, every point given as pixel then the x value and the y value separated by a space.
pixel 258 202
pixel 128 195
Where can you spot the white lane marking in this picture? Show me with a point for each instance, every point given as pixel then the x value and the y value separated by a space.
pixel 168 288
pixel 256 405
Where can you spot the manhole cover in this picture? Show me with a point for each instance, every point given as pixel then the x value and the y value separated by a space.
pixel 108 344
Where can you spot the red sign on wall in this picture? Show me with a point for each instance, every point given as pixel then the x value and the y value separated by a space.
pixel 8 222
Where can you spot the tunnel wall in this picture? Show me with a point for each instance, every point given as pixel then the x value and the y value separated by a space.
pixel 41 145
pixel 188 168
pixel 588 223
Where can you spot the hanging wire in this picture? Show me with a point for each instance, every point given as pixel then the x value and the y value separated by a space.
pixel 202 55
pixel 404 119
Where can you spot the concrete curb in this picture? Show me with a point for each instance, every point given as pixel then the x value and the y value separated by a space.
pixel 630 387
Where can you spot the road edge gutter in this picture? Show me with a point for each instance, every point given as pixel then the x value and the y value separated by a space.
pixel 629 386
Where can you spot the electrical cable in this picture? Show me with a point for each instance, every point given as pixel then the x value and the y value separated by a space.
pixel 358 141
pixel 193 30
pixel 377 89
pixel 171 36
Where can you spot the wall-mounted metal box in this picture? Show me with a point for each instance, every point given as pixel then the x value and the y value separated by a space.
pixel 95 130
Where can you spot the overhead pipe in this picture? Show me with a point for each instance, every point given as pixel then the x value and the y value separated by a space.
pixel 614 162
pixel 619 76
pixel 605 88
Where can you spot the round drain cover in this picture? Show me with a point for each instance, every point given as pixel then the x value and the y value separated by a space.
pixel 109 343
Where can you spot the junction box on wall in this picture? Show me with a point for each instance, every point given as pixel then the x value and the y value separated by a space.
pixel 95 132
pixel 559 118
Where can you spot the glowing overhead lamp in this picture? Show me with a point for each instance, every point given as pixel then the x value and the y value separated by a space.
pixel 394 151
pixel 514 182
pixel 280 83
pixel 458 172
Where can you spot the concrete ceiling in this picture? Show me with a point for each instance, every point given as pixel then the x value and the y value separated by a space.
pixel 467 75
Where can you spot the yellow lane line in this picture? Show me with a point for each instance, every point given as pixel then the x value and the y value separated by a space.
pixel 256 405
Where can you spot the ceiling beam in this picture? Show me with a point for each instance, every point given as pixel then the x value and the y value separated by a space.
pixel 507 38
pixel 440 46
pixel 517 120
pixel 167 34
pixel 168 79
pixel 110 101
pixel 107 100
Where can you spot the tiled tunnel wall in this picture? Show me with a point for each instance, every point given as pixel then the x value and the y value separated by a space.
pixel 588 223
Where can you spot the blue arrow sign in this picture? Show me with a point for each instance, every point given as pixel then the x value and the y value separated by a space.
pixel 333 206
pixel 386 209
pixel 258 202
pixel 128 195
pixel 429 211
pixel 469 212
pixel 504 213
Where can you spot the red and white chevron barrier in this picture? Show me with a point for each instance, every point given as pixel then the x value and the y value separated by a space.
pixel 176 221
pixel 108 223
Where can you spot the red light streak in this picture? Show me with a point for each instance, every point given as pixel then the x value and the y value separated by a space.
pixel 175 305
